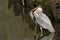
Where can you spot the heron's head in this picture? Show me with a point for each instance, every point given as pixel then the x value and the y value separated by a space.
pixel 38 9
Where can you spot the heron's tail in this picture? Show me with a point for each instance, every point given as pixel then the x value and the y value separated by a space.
pixel 51 30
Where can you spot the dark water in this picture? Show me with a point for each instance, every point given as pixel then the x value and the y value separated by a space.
pixel 20 27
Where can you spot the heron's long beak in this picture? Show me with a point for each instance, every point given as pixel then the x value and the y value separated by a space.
pixel 34 9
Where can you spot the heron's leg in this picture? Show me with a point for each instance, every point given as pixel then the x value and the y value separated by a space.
pixel 41 32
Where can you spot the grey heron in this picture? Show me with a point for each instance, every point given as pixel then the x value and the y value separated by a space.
pixel 42 19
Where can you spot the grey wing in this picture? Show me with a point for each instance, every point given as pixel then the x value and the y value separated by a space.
pixel 44 21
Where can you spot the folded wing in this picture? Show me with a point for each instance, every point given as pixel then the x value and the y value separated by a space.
pixel 44 21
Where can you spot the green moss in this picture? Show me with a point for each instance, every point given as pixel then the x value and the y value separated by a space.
pixel 45 2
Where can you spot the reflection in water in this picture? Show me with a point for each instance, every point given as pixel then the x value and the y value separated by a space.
pixel 23 2
pixel 20 10
pixel 49 37
pixel 26 38
pixel 26 17
pixel 23 13
pixel 16 6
